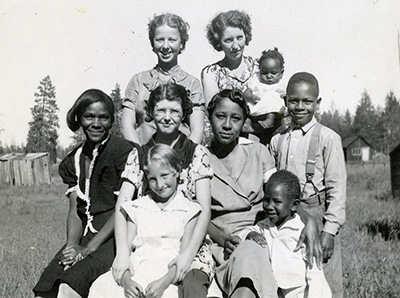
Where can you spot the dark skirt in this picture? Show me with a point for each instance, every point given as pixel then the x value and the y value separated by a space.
pixel 80 276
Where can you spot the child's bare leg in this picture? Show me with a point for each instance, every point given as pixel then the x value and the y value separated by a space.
pixel 65 291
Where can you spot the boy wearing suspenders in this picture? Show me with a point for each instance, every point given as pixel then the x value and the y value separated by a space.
pixel 314 153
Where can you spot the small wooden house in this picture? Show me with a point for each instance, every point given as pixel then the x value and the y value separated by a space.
pixel 356 149
pixel 25 169
pixel 395 171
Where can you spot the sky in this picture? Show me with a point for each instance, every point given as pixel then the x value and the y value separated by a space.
pixel 350 46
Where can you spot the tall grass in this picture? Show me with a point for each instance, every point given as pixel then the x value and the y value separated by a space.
pixel 32 229
pixel 371 257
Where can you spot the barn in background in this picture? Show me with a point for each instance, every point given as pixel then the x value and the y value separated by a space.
pixel 25 169
pixel 356 149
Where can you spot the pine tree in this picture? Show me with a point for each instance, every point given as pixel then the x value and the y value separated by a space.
pixel 338 122
pixel 117 100
pixel 42 134
pixel 391 122
pixel 368 122
pixel 348 124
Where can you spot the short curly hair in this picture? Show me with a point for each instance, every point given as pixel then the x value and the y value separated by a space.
pixel 289 181
pixel 234 95
pixel 172 92
pixel 272 54
pixel 231 18
pixel 303 77
pixel 173 21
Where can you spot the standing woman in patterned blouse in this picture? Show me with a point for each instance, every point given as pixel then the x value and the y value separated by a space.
pixel 168 35
pixel 229 32
pixel 92 172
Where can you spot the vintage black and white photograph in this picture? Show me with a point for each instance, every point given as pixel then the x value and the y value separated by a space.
pixel 199 149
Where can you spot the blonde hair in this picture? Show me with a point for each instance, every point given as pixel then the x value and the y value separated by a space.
pixel 164 155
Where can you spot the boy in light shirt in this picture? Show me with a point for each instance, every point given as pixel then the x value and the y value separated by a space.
pixel 280 232
pixel 314 153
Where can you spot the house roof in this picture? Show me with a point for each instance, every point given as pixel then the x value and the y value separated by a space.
pixel 20 156
pixel 349 140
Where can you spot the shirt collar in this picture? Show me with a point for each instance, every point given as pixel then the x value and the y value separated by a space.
pixel 175 71
pixel 178 203
pixel 306 127
pixel 244 141
pixel 294 223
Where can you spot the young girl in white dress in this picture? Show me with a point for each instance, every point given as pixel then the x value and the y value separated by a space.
pixel 159 224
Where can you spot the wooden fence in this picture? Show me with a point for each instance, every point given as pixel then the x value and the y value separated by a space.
pixel 25 169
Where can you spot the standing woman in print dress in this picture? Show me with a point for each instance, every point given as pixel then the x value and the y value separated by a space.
pixel 168 35
pixel 168 106
pixel 229 32
pixel 92 172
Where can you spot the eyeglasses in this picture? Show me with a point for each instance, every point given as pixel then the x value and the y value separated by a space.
pixel 160 113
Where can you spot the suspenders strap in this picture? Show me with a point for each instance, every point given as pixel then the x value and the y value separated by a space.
pixel 312 152
pixel 278 159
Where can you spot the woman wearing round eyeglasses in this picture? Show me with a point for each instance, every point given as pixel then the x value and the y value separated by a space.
pixel 169 105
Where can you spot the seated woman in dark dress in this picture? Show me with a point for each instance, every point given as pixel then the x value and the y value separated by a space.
pixel 92 172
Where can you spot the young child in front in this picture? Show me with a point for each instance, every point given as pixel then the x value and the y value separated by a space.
pixel 314 154
pixel 280 232
pixel 158 224
pixel 264 96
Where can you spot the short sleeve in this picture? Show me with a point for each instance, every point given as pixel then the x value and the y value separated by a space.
pixel 132 172
pixel 131 210
pixel 252 82
pixel 209 82
pixel 201 164
pixel 196 95
pixel 132 93
pixel 193 210
pixel 67 171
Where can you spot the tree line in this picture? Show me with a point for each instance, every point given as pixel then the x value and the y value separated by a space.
pixel 43 128
pixel 380 127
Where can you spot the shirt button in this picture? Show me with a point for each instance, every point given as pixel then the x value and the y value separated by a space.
pixel 291 156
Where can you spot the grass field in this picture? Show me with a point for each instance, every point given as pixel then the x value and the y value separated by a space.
pixel 32 229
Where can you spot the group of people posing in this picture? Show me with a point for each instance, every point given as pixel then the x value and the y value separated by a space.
pixel 230 182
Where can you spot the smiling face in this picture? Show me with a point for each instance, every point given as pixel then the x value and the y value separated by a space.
pixel 167 45
pixel 233 42
pixel 302 102
pixel 227 121
pixel 96 122
pixel 271 71
pixel 163 180
pixel 168 115
pixel 277 204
